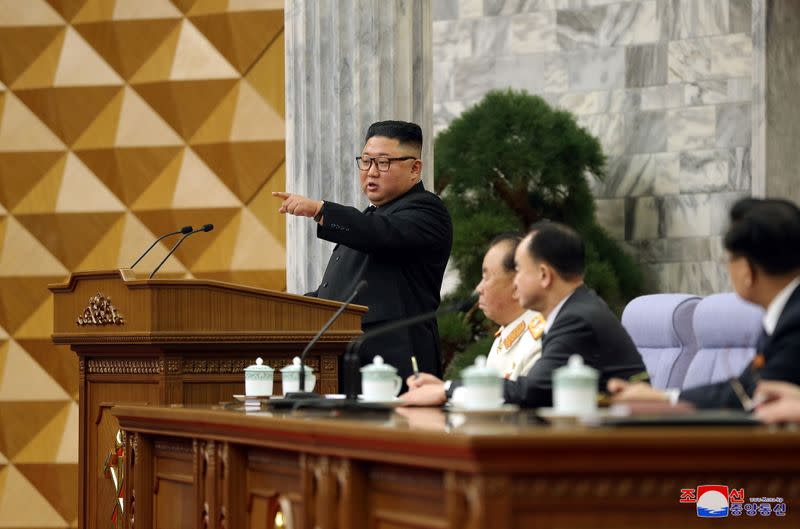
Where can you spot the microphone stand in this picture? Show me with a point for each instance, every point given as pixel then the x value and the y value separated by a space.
pixel 206 227
pixel 184 230
pixel 351 365
pixel 301 393
pixel 351 355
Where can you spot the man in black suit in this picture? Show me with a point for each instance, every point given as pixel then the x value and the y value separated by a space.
pixel 550 262
pixel 400 245
pixel 763 245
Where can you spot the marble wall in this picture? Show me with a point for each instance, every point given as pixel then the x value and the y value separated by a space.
pixel 666 86
pixel 779 130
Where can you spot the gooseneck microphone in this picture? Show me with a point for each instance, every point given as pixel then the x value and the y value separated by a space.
pixel 301 392
pixel 206 227
pixel 184 230
pixel 351 356
pixel 351 365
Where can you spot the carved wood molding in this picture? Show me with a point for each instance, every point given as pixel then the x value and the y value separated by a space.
pixel 152 366
pixel 222 457
pixel 201 366
pixel 100 312
pixel 329 365
pixel 173 365
pixel 134 442
pixel 383 474
pixel 174 447
pixel 343 470
pixel 208 456
pixel 284 460
pixel 148 338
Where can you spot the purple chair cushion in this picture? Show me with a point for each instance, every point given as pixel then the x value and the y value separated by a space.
pixel 661 328
pixel 726 328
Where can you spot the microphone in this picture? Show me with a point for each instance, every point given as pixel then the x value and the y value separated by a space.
pixel 351 357
pixel 184 230
pixel 302 393
pixel 351 365
pixel 206 227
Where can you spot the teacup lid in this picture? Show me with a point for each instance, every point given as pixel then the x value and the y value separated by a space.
pixel 479 370
pixel 258 366
pixel 575 369
pixel 378 366
pixel 295 366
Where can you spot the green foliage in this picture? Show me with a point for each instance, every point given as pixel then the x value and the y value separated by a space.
pixel 453 330
pixel 508 162
pixel 467 357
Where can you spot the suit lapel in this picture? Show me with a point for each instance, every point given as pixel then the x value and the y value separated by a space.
pixel 787 317
pixel 576 295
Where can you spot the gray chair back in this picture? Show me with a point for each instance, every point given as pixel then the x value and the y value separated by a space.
pixel 661 328
pixel 727 328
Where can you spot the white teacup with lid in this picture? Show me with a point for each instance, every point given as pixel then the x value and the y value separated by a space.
pixel 290 376
pixel 258 379
pixel 379 381
pixel 483 386
pixel 575 388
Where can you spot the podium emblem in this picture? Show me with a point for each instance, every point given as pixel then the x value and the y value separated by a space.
pixel 100 312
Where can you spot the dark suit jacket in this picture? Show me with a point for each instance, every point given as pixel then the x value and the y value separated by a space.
pixel 781 352
pixel 402 248
pixel 585 326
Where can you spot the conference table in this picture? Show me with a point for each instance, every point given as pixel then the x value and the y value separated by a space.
pixel 236 466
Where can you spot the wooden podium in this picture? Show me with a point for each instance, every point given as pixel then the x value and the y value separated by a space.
pixel 176 341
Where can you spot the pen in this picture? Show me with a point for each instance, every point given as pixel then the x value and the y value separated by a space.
pixel 414 366
pixel 748 404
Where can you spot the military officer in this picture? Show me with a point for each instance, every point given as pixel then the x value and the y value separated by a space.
pixel 517 345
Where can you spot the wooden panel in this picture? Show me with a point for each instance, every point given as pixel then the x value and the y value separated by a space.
pixel 274 482
pixel 184 342
pixel 194 311
pixel 211 392
pixel 101 428
pixel 174 488
pixel 400 497
pixel 367 471
pixel 174 505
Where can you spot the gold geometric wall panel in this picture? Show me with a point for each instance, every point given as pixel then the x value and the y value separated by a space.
pixel 121 120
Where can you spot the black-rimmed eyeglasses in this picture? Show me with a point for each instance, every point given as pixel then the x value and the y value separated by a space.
pixel 383 162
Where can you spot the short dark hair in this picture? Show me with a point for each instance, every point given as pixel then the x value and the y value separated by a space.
pixel 559 246
pixel 408 134
pixel 513 238
pixel 767 233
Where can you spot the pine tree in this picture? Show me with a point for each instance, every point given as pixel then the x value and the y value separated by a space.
pixel 507 162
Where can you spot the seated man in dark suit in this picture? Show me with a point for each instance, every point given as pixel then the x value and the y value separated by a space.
pixel 763 244
pixel 550 262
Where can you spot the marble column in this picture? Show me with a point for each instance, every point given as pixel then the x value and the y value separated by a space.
pixel 348 63
pixel 776 116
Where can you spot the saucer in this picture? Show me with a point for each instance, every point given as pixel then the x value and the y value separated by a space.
pixel 551 415
pixel 394 401
pixel 503 409
pixel 252 399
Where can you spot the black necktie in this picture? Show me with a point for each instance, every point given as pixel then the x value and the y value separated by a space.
pixel 370 210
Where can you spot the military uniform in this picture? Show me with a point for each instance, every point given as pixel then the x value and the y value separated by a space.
pixel 517 346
